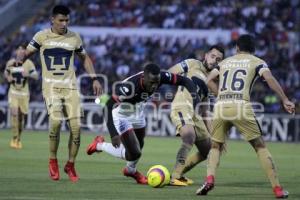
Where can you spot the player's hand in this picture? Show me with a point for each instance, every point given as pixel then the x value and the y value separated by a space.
pixel 97 88
pixel 116 141
pixel 9 78
pixel 289 106
pixel 25 73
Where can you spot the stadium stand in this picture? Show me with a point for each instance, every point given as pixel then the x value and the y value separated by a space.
pixel 274 23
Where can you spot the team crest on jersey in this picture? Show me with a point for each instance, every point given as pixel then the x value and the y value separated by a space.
pixel 124 90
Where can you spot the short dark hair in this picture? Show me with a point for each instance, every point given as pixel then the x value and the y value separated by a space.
pixel 151 68
pixel 246 43
pixel 60 9
pixel 23 45
pixel 217 47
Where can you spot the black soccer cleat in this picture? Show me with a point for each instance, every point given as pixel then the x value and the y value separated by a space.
pixel 205 188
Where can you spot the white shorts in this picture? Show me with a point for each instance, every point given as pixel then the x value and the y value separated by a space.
pixel 124 121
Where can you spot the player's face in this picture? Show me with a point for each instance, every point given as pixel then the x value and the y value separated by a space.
pixel 60 23
pixel 20 53
pixel 212 58
pixel 151 82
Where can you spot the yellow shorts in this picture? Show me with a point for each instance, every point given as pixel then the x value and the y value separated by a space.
pixel 239 114
pixel 19 101
pixel 181 117
pixel 63 103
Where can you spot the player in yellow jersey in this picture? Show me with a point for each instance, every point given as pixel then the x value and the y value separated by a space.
pixel 190 126
pixel 17 75
pixel 237 75
pixel 57 47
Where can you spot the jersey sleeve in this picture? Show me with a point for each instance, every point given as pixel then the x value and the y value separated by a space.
pixel 31 67
pixel 180 68
pixel 261 68
pixel 79 45
pixel 35 42
pixel 168 78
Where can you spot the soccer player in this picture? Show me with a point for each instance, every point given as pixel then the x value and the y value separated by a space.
pixel 57 46
pixel 233 108
pixel 190 126
pixel 17 74
pixel 126 119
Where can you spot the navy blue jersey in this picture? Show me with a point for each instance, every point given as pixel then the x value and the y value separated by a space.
pixel 131 90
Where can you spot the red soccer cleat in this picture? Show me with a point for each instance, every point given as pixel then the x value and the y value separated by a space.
pixel 92 148
pixel 207 186
pixel 139 178
pixel 53 169
pixel 70 170
pixel 280 193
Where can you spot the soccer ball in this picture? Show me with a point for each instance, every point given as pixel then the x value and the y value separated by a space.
pixel 158 176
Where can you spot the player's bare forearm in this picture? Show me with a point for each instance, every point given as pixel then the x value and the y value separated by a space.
pixel 27 54
pixel 213 87
pixel 274 85
pixel 89 68
pixel 210 81
pixel 88 65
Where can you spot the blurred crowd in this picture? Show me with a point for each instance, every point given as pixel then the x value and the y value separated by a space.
pixel 273 22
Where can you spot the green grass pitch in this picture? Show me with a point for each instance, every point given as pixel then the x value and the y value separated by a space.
pixel 24 173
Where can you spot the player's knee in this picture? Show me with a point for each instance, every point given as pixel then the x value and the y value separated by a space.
pixel 134 155
pixel 74 126
pixel 76 140
pixel 216 145
pixel 14 112
pixel 257 143
pixel 54 129
pixel 188 138
pixel 204 148
pixel 188 134
pixel 75 130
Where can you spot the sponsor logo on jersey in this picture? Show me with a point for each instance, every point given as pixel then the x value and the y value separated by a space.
pixel 59 44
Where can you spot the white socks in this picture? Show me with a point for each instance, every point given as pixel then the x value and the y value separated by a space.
pixel 119 153
pixel 110 149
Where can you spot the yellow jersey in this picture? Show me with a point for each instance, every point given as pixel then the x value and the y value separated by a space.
pixel 57 57
pixel 19 85
pixel 190 68
pixel 237 75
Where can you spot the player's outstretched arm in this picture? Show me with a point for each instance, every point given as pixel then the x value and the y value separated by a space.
pixel 27 53
pixel 89 68
pixel 274 85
